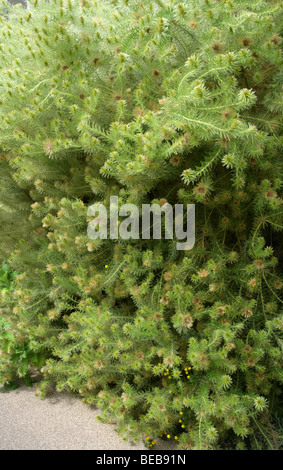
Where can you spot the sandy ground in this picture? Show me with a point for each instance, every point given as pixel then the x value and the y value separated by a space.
pixel 60 422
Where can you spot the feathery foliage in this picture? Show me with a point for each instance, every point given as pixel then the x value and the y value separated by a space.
pixel 155 101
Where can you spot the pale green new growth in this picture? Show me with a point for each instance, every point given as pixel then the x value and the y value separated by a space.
pixel 153 102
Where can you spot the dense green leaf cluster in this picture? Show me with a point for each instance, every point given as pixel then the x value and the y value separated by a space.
pixel 155 101
pixel 16 358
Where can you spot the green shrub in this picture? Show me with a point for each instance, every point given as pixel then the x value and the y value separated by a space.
pixel 17 359
pixel 154 101
pixel 6 278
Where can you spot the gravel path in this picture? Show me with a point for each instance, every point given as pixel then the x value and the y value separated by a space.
pixel 60 422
